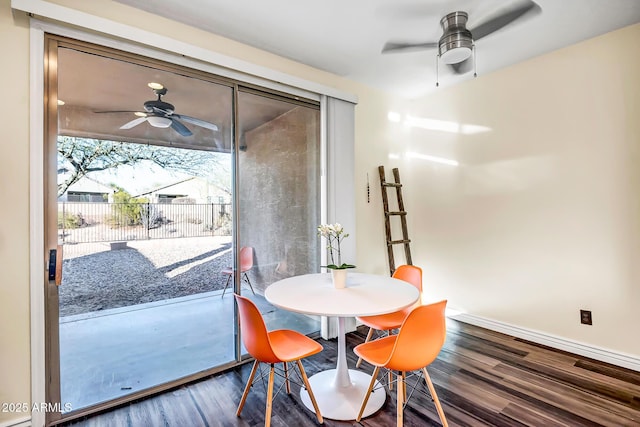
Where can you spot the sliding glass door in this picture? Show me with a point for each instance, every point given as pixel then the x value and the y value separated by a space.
pixel 279 192
pixel 141 205
pixel 166 190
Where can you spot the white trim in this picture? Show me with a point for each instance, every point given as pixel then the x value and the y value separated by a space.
pixel 340 159
pixel 19 422
pixel 36 228
pixel 136 35
pixel 560 343
pixel 327 329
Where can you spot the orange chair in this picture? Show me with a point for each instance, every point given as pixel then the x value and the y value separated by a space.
pixel 390 321
pixel 246 264
pixel 416 345
pixel 279 346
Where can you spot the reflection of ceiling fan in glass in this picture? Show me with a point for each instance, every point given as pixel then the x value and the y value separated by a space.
pixel 161 114
pixel 457 42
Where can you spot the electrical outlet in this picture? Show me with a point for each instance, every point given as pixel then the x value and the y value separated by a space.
pixel 585 317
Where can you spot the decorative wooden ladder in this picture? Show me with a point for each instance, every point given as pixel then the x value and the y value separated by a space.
pixel 388 214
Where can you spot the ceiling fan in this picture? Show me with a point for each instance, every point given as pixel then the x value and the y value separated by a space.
pixel 161 114
pixel 457 42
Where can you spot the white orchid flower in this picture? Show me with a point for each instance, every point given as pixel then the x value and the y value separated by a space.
pixel 334 233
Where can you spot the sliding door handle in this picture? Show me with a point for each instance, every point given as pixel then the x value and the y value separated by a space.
pixel 55 265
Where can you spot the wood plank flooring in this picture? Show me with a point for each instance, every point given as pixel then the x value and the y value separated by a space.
pixel 483 378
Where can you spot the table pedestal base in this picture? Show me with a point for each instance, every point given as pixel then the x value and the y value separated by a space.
pixel 343 403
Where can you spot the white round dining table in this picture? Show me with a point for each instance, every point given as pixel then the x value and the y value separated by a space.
pixel 340 391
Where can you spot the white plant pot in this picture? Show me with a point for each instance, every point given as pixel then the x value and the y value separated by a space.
pixel 339 278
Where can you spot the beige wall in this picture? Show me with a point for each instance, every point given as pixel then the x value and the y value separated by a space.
pixel 540 218
pixel 14 211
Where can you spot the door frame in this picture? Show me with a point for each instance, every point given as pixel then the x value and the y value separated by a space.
pixel 341 147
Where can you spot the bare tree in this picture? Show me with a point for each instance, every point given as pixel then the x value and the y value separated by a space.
pixel 79 156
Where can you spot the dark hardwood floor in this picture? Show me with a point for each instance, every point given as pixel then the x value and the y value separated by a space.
pixel 483 378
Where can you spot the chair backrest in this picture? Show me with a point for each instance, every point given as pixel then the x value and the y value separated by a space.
pixel 413 275
pixel 254 331
pixel 420 338
pixel 246 258
pixel 409 273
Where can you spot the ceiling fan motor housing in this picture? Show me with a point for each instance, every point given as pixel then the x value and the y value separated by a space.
pixel 456 42
pixel 158 106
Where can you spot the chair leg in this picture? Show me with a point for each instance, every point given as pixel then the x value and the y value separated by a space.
pixel 400 399
pixel 267 415
pixel 432 390
pixel 226 284
pixel 247 387
pixel 305 380
pixel 249 282
pixel 404 382
pixel 390 374
pixel 374 376
pixel 286 378
pixel 369 335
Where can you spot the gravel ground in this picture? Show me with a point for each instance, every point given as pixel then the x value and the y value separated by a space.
pixel 95 277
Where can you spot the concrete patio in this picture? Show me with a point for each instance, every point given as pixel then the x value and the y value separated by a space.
pixel 115 352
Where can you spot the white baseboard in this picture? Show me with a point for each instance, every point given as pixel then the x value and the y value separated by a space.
pixel 18 422
pixel 586 350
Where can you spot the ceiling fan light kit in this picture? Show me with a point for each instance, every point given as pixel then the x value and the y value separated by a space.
pixel 456 42
pixel 159 122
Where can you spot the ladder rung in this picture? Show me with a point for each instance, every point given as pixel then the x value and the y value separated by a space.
pixel 396 242
pixel 391 184
pixel 396 213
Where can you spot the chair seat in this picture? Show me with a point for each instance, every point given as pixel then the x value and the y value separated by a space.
pixel 290 345
pixel 385 322
pixel 376 352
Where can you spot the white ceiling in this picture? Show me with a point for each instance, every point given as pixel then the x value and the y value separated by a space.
pixel 346 37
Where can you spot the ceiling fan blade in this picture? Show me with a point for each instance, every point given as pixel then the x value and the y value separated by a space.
pixel 393 47
pixel 132 123
pixel 118 111
pixel 161 111
pixel 501 21
pixel 179 127
pixel 195 121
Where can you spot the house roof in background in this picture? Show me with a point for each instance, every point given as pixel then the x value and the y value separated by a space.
pixel 89 185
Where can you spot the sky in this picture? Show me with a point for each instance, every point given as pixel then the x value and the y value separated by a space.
pixel 146 175
pixel 139 178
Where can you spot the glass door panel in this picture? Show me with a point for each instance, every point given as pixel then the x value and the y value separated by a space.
pixel 278 195
pixel 144 215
